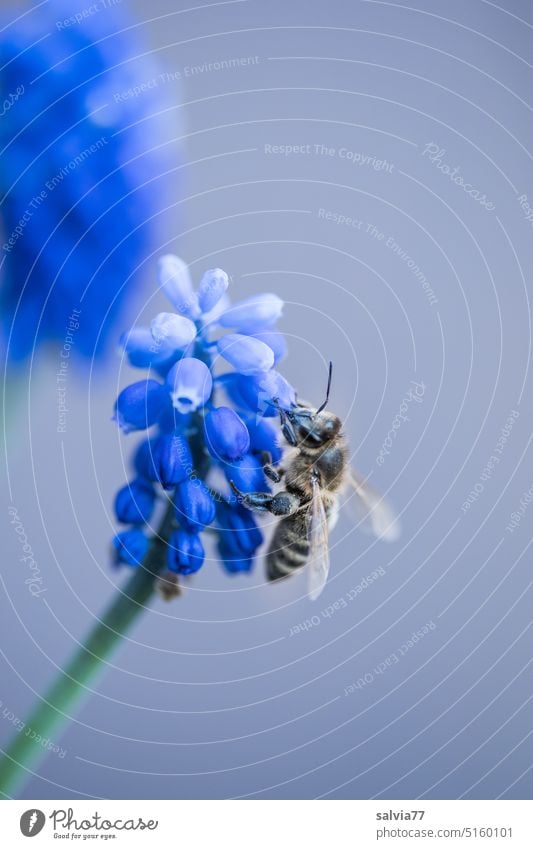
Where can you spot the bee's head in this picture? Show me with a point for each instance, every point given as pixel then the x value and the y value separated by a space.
pixel 314 428
pixel 302 424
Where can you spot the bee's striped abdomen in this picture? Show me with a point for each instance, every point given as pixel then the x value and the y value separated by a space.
pixel 289 549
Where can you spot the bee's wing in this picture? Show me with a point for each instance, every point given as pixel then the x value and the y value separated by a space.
pixel 318 563
pixel 373 512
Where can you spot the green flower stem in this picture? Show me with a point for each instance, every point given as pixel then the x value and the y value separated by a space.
pixel 70 686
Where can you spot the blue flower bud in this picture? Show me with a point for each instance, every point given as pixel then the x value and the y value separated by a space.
pixel 259 391
pixel 195 507
pixel 134 503
pixel 253 314
pixel 141 350
pixel 232 561
pixel 239 537
pixel 263 437
pixel 143 460
pixel 185 553
pixel 171 460
pixel 246 354
pixel 171 420
pixel 212 286
pixel 130 547
pixel 275 340
pixel 171 331
pixel 175 280
pixel 247 474
pixel 226 436
pixel 139 405
pixel 211 318
pixel 190 384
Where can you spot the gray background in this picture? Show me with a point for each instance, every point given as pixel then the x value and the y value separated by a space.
pixel 210 697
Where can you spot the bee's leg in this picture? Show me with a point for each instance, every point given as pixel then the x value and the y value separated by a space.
pixel 274 473
pixel 281 504
pixel 287 429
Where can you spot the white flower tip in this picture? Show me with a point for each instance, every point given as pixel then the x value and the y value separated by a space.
pixel 175 280
pixel 177 330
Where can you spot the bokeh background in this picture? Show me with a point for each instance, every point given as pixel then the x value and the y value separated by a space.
pixel 315 138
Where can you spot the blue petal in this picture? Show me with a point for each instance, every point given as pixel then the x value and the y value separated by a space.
pixel 142 350
pixel 239 537
pixel 143 460
pixel 175 280
pixel 212 286
pixel 171 460
pixel 253 314
pixel 172 332
pixel 139 405
pixel 232 561
pixel 226 435
pixel 275 340
pixel 259 391
pixel 185 553
pixel 130 547
pixel 190 384
pixel 245 353
pixel 134 503
pixel 264 437
pixel 195 507
pixel 247 474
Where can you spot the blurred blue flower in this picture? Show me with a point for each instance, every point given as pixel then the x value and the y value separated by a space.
pixel 194 437
pixel 85 162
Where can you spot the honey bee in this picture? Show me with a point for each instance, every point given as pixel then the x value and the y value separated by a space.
pixel 308 507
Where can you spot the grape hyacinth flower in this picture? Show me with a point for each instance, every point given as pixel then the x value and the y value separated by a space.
pixel 86 157
pixel 205 421
pixel 204 411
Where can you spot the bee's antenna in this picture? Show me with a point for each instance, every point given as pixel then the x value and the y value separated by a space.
pixel 322 406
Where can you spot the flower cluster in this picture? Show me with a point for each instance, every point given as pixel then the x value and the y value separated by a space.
pixel 85 170
pixel 199 444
